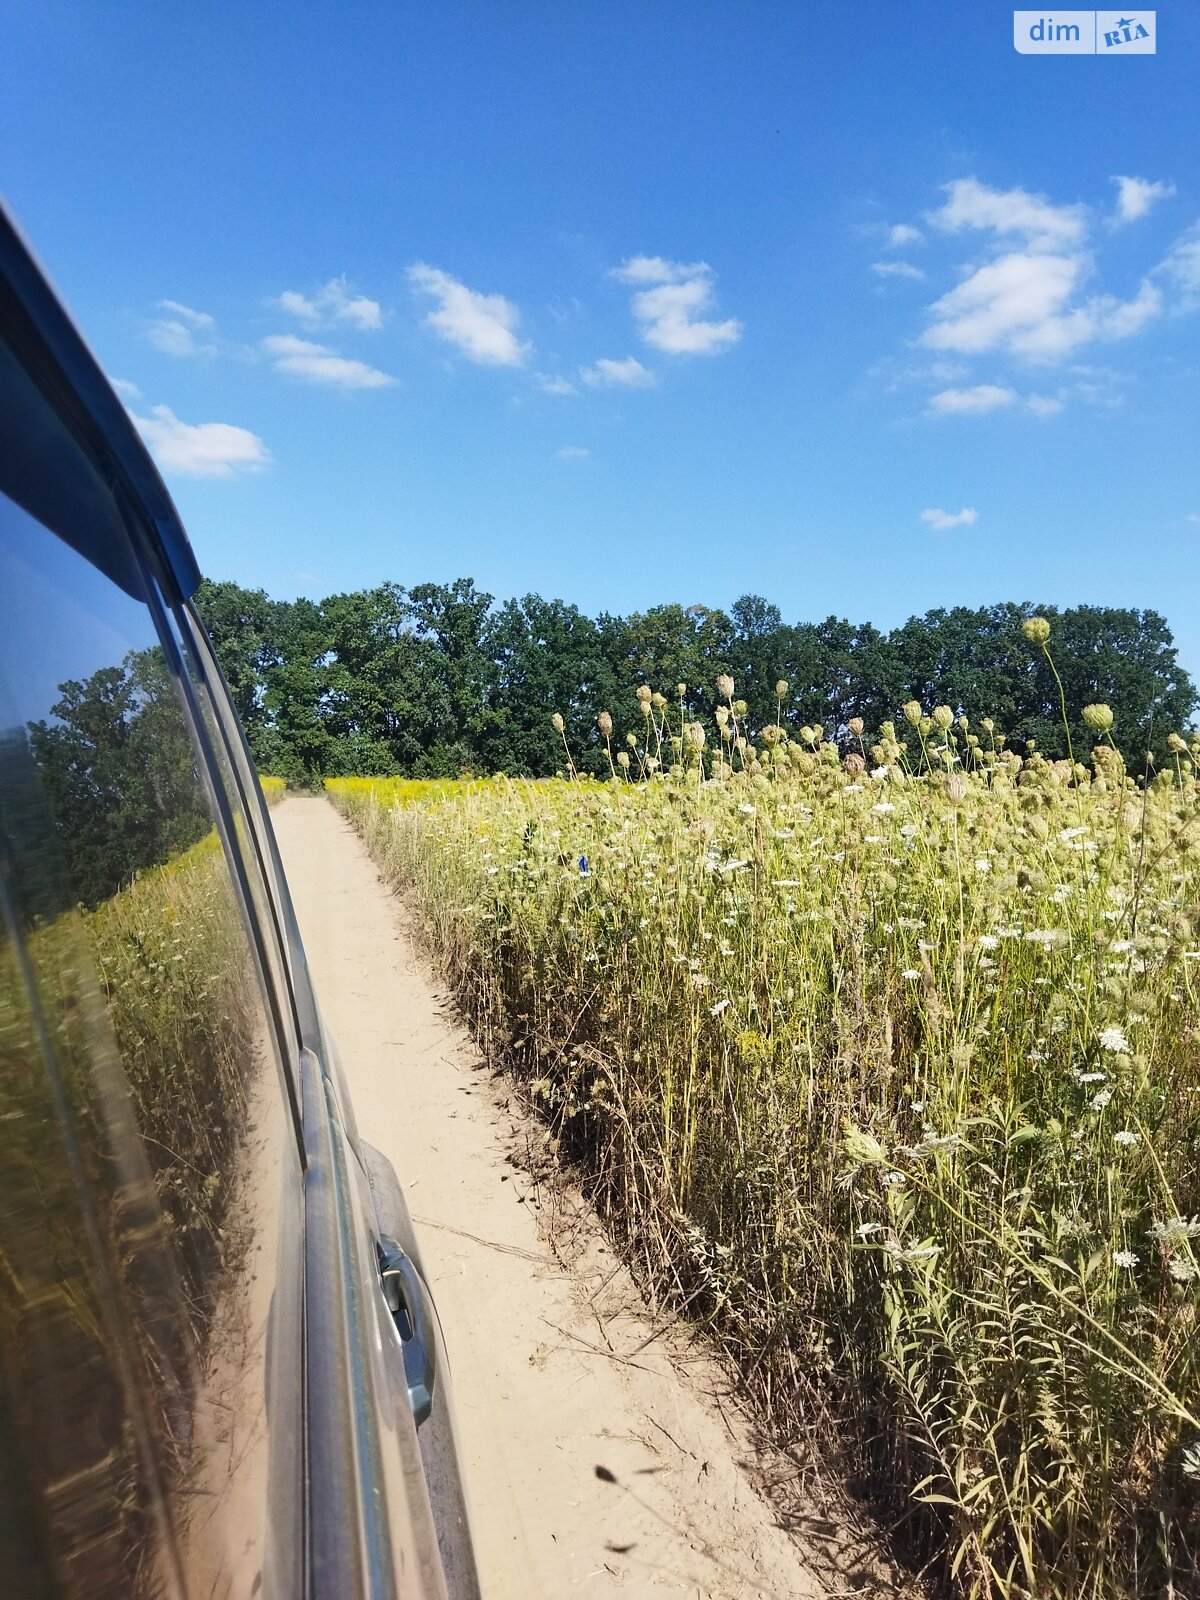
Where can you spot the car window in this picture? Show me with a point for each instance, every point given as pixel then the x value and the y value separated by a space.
pixel 149 1172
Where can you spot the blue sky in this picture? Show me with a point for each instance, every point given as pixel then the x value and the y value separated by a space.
pixel 634 303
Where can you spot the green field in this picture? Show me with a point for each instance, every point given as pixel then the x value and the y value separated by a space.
pixel 884 1061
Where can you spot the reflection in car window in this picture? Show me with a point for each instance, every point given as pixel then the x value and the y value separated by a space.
pixel 143 1140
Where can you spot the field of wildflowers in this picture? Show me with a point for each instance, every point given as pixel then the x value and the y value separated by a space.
pixel 884 1058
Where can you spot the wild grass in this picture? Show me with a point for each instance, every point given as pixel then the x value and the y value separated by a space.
pixel 886 1062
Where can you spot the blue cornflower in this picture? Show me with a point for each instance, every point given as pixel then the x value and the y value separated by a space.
pixel 584 870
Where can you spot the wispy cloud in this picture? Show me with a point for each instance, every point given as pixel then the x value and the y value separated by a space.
pixel 1045 405
pixel 195 319
pixel 896 269
pixel 971 205
pixel 975 401
pixel 668 312
pixel 316 363
pixel 483 326
pixel 1027 301
pixel 941 521
pixel 1135 196
pixel 608 374
pixel 554 385
pixel 1022 304
pixel 200 449
pixel 332 304
pixel 126 390
pixel 183 331
pixel 902 234
pixel 572 452
pixel 1181 268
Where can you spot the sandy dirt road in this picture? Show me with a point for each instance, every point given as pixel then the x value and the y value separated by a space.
pixel 549 1381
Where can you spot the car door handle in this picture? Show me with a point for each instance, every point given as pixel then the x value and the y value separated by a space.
pixel 405 1296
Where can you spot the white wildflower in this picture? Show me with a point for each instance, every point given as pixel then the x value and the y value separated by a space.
pixel 1101 1099
pixel 1126 1259
pixel 866 1229
pixel 884 808
pixel 988 941
pixel 1112 1038
pixel 1175 1230
pixel 1127 1136
pixel 911 973
pixel 721 1005
pixel 1183 1270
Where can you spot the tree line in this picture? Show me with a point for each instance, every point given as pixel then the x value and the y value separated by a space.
pixel 439 679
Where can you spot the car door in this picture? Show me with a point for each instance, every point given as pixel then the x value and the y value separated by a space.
pixel 220 1370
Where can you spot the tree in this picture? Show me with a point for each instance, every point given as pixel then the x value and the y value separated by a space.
pixel 547 657
pixel 119 773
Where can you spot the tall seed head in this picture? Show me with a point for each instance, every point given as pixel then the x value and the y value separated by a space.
pixel 557 722
pixel 1098 717
pixel 644 693
pixel 605 724
pixel 943 716
pixel 658 701
pixel 956 786
pixel 1036 629
pixel 680 690
pixel 725 686
pixel 623 760
pixel 631 740
pixel 781 688
pixel 912 711
pixel 856 726
pixel 739 708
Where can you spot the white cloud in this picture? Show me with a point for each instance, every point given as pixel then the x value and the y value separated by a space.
pixel 483 326
pixel 1192 517
pixel 896 269
pixel 903 233
pixel 333 303
pixel 941 521
pixel 1135 196
pixel 1182 267
pixel 627 374
pixel 126 390
pixel 971 204
pixel 1021 303
pixel 656 269
pixel 572 452
pixel 199 320
pixel 316 363
pixel 668 312
pixel 976 401
pixel 1044 405
pixel 175 338
pixel 554 385
pixel 201 449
